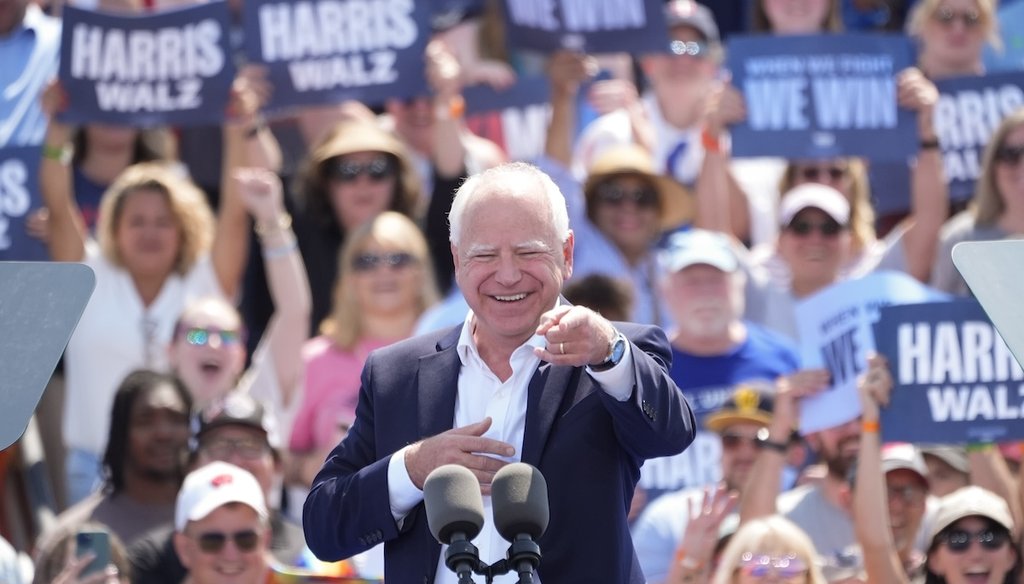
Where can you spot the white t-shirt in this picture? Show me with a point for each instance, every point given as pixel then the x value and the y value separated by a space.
pixel 116 335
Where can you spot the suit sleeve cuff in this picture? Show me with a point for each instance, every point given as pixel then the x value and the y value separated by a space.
pixel 618 381
pixel 402 493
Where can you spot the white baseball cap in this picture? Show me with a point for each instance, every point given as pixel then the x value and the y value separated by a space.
pixel 814 196
pixel 215 485
pixel 698 246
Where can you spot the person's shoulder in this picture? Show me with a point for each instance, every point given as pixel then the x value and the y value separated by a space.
pixel 959 227
pixel 419 345
pixel 767 340
pixel 793 499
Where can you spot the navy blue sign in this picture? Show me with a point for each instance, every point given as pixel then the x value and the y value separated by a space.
pixel 515 119
pixel 168 68
pixel 592 26
pixel 955 380
pixel 19 197
pixel 969 110
pixel 822 96
pixel 328 51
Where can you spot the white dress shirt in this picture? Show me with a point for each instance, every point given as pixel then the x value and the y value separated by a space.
pixel 481 395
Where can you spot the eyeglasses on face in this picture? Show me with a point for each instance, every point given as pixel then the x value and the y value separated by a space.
pixel 909 494
pixel 959 540
pixel 347 171
pixel 223 448
pixel 822 173
pixel 1009 155
pixel 369 261
pixel 689 48
pixel 827 228
pixel 731 440
pixel 213 542
pixel 614 195
pixel 200 336
pixel 758 565
pixel 947 17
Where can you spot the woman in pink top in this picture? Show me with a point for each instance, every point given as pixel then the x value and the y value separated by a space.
pixel 385 282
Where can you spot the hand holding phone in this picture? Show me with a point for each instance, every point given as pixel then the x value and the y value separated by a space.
pixel 96 542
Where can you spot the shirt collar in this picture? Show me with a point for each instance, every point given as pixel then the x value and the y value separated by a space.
pixel 466 347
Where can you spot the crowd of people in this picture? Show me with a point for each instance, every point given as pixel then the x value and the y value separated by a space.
pixel 297 318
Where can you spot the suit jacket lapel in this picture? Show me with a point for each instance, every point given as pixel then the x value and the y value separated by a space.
pixel 544 401
pixel 437 387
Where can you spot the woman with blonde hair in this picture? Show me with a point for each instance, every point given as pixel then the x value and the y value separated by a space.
pixel 952 35
pixel 768 549
pixel 157 247
pixel 385 282
pixel 997 208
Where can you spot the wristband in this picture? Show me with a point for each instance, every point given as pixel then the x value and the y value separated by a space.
pixel 283 250
pixel 979 447
pixel 870 426
pixel 453 110
pixel 929 144
pixel 686 562
pixel 61 154
pixel 710 142
pixel 765 443
pixel 283 222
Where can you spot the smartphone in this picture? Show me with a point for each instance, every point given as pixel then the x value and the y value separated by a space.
pixel 97 542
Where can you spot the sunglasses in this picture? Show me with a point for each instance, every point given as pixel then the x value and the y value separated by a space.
pixel 816 173
pixel 616 196
pixel 731 441
pixel 827 228
pixel 213 542
pixel 378 169
pixel 200 337
pixel 909 494
pixel 688 48
pixel 947 17
pixel 1009 155
pixel 764 565
pixel 368 261
pixel 222 449
pixel 959 541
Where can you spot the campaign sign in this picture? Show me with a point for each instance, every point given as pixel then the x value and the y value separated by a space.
pixel 822 96
pixel 835 333
pixel 515 119
pixel 955 380
pixel 968 112
pixel 592 26
pixel 328 51
pixel 19 196
pixel 1009 57
pixel 167 68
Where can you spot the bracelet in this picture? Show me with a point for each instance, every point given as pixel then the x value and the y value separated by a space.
pixel 929 144
pixel 870 426
pixel 454 110
pixel 282 222
pixel 979 447
pixel 283 250
pixel 692 568
pixel 710 142
pixel 61 154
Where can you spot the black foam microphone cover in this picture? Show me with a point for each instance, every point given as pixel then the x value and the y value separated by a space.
pixel 519 494
pixel 454 505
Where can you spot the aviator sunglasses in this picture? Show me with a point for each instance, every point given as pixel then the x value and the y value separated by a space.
pixel 378 169
pixel 959 540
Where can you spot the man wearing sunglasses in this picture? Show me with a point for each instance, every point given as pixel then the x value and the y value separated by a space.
pixel 240 431
pixel 221 526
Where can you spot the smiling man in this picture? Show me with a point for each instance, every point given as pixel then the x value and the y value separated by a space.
pixel 526 377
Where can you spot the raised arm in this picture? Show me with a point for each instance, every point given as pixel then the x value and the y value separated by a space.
pixel 870 506
pixel 67 232
pixel 246 143
pixel 445 77
pixel 261 192
pixel 721 202
pixel 566 70
pixel 929 195
pixel 988 469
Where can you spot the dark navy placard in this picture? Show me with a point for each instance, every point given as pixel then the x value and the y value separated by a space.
pixel 515 119
pixel 166 68
pixel 968 111
pixel 19 197
pixel 593 26
pixel 955 380
pixel 328 51
pixel 822 96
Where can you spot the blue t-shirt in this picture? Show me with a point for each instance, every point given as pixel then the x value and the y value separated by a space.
pixel 707 382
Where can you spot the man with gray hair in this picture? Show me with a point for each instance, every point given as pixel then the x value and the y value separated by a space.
pixel 527 377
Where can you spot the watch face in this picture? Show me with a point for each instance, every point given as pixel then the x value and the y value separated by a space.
pixel 618 350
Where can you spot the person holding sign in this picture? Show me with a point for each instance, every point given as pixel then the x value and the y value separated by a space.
pixel 997 209
pixel 158 248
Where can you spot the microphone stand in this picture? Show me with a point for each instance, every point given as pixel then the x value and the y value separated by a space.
pixel 462 558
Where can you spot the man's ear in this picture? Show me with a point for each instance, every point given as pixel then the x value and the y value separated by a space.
pixel 182 547
pixel 567 253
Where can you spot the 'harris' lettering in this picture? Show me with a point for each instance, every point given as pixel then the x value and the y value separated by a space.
pixel 166 54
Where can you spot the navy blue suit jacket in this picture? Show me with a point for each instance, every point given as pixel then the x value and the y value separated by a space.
pixel 588 446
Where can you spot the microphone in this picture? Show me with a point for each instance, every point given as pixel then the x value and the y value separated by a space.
pixel 455 515
pixel 519 495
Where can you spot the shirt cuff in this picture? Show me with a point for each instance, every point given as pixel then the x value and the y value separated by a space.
pixel 402 494
pixel 618 381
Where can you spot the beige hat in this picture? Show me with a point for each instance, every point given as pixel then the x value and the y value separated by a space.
pixel 676 201
pixel 967 502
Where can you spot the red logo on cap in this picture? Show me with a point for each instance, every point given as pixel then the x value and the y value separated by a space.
pixel 221 480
